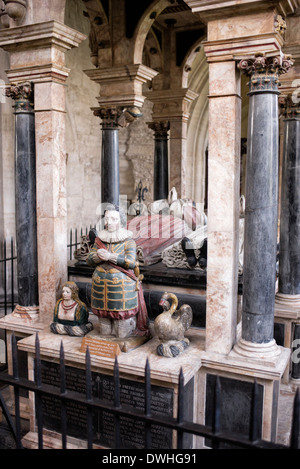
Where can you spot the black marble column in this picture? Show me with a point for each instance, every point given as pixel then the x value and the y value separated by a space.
pixel 25 194
pixel 261 213
pixel 110 174
pixel 289 253
pixel 161 164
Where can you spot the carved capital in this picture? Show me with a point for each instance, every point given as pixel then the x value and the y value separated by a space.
pixel 160 128
pixel 109 116
pixel 264 71
pixel 289 106
pixel 23 95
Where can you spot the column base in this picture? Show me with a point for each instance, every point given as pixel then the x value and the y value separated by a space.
pixel 264 351
pixel 287 304
pixel 26 312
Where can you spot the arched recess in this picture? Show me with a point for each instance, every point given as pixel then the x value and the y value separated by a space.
pixel 195 77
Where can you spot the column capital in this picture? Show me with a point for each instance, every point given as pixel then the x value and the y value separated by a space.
pixel 160 128
pixel 264 71
pixel 289 106
pixel 22 94
pixel 109 116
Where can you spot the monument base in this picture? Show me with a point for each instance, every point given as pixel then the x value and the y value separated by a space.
pixel 164 390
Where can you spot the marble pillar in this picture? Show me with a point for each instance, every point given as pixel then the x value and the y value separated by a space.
pixel 110 174
pixel 223 206
pixel 259 273
pixel 287 299
pixel 289 254
pixel 161 160
pixel 25 200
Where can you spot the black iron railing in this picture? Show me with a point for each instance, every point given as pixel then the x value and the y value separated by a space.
pixel 8 272
pixel 92 404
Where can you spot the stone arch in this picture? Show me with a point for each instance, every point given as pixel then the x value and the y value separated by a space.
pixel 144 26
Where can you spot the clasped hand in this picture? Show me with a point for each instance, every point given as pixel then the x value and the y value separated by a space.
pixel 103 254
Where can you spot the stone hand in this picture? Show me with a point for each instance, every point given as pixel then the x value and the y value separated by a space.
pixel 103 254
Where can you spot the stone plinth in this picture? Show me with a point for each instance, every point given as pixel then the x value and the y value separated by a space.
pixel 237 375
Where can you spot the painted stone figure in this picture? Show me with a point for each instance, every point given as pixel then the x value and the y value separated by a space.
pixel 71 316
pixel 117 297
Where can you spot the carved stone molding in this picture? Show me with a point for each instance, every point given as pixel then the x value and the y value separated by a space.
pixel 22 94
pixel 264 71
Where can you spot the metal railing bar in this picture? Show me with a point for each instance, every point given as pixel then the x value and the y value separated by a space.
pixel 253 432
pixel 180 409
pixel 117 404
pixel 89 398
pixel 16 391
pixel 216 423
pixel 63 391
pixel 38 393
pixel 295 432
pixel 147 405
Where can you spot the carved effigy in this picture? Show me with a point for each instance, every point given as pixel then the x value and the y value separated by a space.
pixel 170 326
pixel 71 316
pixel 116 296
pixel 175 256
pixel 153 233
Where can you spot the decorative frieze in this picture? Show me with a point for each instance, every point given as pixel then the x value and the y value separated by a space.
pixel 264 71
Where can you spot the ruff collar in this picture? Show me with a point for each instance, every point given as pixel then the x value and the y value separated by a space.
pixel 116 236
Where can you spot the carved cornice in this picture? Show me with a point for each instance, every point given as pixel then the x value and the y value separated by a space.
pixel 214 9
pixel 40 35
pixel 23 95
pixel 264 71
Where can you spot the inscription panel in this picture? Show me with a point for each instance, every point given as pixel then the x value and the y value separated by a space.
pixel 132 394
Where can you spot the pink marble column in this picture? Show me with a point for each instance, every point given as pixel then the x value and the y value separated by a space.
pixel 51 193
pixel 223 205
